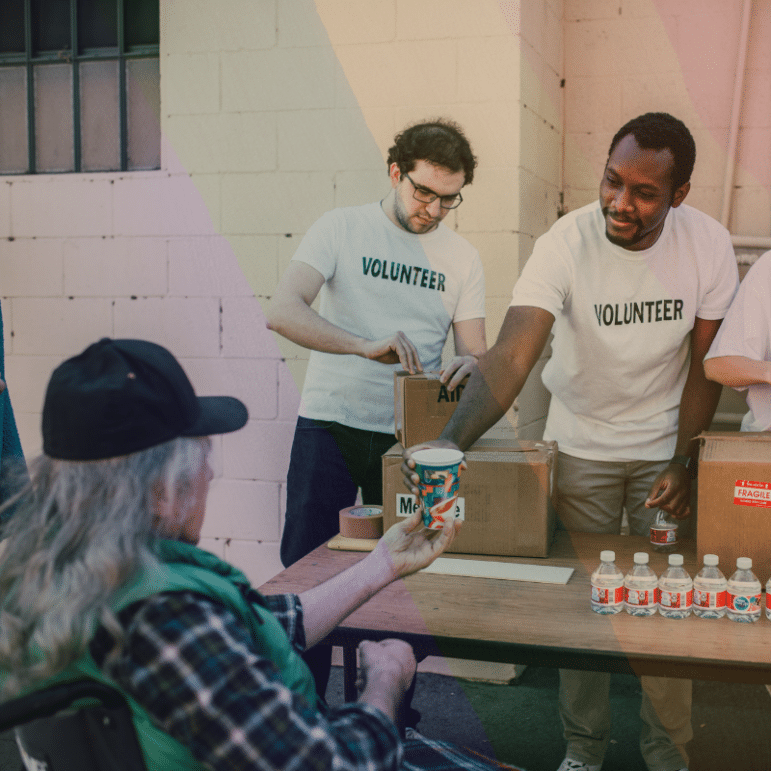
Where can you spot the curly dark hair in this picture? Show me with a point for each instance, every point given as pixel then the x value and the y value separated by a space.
pixel 659 130
pixel 441 142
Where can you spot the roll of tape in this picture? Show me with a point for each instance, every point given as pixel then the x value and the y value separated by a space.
pixel 361 522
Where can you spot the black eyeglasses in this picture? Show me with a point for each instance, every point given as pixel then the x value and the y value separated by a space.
pixel 424 195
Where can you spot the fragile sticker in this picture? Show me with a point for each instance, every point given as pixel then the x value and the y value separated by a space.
pixel 749 493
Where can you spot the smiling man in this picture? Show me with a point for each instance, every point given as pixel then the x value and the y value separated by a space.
pixel 393 280
pixel 634 288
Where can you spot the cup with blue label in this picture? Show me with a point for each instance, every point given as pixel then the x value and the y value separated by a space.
pixel 438 469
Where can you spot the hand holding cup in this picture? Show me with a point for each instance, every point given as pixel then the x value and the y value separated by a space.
pixel 438 470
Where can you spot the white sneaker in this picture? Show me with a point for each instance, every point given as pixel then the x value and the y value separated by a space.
pixel 577 765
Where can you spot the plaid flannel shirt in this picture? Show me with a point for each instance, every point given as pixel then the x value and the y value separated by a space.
pixel 191 664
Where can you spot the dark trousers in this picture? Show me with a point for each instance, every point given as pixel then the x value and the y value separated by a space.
pixel 328 464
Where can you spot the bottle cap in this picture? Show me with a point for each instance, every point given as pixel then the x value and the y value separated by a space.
pixel 640 558
pixel 676 559
pixel 607 555
pixel 744 563
pixel 711 560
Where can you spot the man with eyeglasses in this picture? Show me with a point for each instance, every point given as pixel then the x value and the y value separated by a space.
pixel 392 281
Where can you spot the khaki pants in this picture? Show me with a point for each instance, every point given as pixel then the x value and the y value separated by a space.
pixel 592 496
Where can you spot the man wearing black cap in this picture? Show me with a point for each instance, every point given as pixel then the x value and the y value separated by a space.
pixel 122 396
pixel 101 579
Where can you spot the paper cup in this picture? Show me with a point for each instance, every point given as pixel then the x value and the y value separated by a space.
pixel 438 469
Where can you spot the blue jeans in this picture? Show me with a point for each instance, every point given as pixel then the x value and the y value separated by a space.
pixel 328 464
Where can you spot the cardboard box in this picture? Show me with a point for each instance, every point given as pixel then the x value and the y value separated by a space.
pixel 422 406
pixel 505 497
pixel 734 503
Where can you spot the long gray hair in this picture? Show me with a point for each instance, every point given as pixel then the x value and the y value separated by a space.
pixel 79 531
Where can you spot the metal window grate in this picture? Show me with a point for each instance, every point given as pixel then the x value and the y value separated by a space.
pixel 79 85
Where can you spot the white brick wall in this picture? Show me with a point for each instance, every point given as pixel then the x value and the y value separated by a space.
pixel 274 111
pixel 675 56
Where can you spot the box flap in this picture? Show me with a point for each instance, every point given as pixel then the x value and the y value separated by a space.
pixel 735 436
pixel 735 447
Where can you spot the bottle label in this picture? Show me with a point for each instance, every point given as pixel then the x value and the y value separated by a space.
pixel 676 599
pixel 663 535
pixel 742 603
pixel 605 596
pixel 641 598
pixel 709 600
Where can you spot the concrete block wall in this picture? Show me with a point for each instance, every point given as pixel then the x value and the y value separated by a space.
pixel 273 112
pixel 627 57
pixel 86 256
pixel 297 118
pixel 539 197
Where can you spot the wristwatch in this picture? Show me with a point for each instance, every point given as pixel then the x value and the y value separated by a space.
pixel 682 460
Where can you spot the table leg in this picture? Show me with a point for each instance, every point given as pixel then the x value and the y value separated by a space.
pixel 349 672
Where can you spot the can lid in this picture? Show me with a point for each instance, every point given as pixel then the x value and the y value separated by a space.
pixel 744 563
pixel 640 558
pixel 676 559
pixel 711 560
pixel 607 555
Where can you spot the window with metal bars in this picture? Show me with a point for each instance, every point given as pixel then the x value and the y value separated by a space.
pixel 79 86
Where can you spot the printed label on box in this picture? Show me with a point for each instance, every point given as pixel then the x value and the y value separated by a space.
pixel 748 493
pixel 406 503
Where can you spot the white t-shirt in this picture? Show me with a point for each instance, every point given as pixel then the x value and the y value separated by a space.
pixel 380 279
pixel 621 345
pixel 746 331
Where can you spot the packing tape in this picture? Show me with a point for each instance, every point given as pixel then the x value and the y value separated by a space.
pixel 361 522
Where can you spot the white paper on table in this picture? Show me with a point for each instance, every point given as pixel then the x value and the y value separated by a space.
pixel 511 571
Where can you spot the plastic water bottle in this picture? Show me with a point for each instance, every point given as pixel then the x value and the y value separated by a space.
pixel 663 533
pixel 768 593
pixel 607 585
pixel 675 589
pixel 709 589
pixel 640 588
pixel 743 598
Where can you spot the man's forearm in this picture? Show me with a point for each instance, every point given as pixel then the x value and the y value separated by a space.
pixel 327 604
pixel 697 409
pixel 478 410
pixel 304 326
pixel 700 395
pixel 500 375
pixel 491 390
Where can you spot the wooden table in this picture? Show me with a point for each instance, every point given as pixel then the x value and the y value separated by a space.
pixel 541 624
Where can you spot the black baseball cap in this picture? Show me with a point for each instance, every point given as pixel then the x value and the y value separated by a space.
pixel 123 396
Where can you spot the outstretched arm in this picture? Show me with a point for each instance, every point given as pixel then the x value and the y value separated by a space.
pixel 672 489
pixel 290 314
pixel 500 374
pixel 494 384
pixel 405 548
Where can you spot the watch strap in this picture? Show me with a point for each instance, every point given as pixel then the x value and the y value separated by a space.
pixel 682 460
